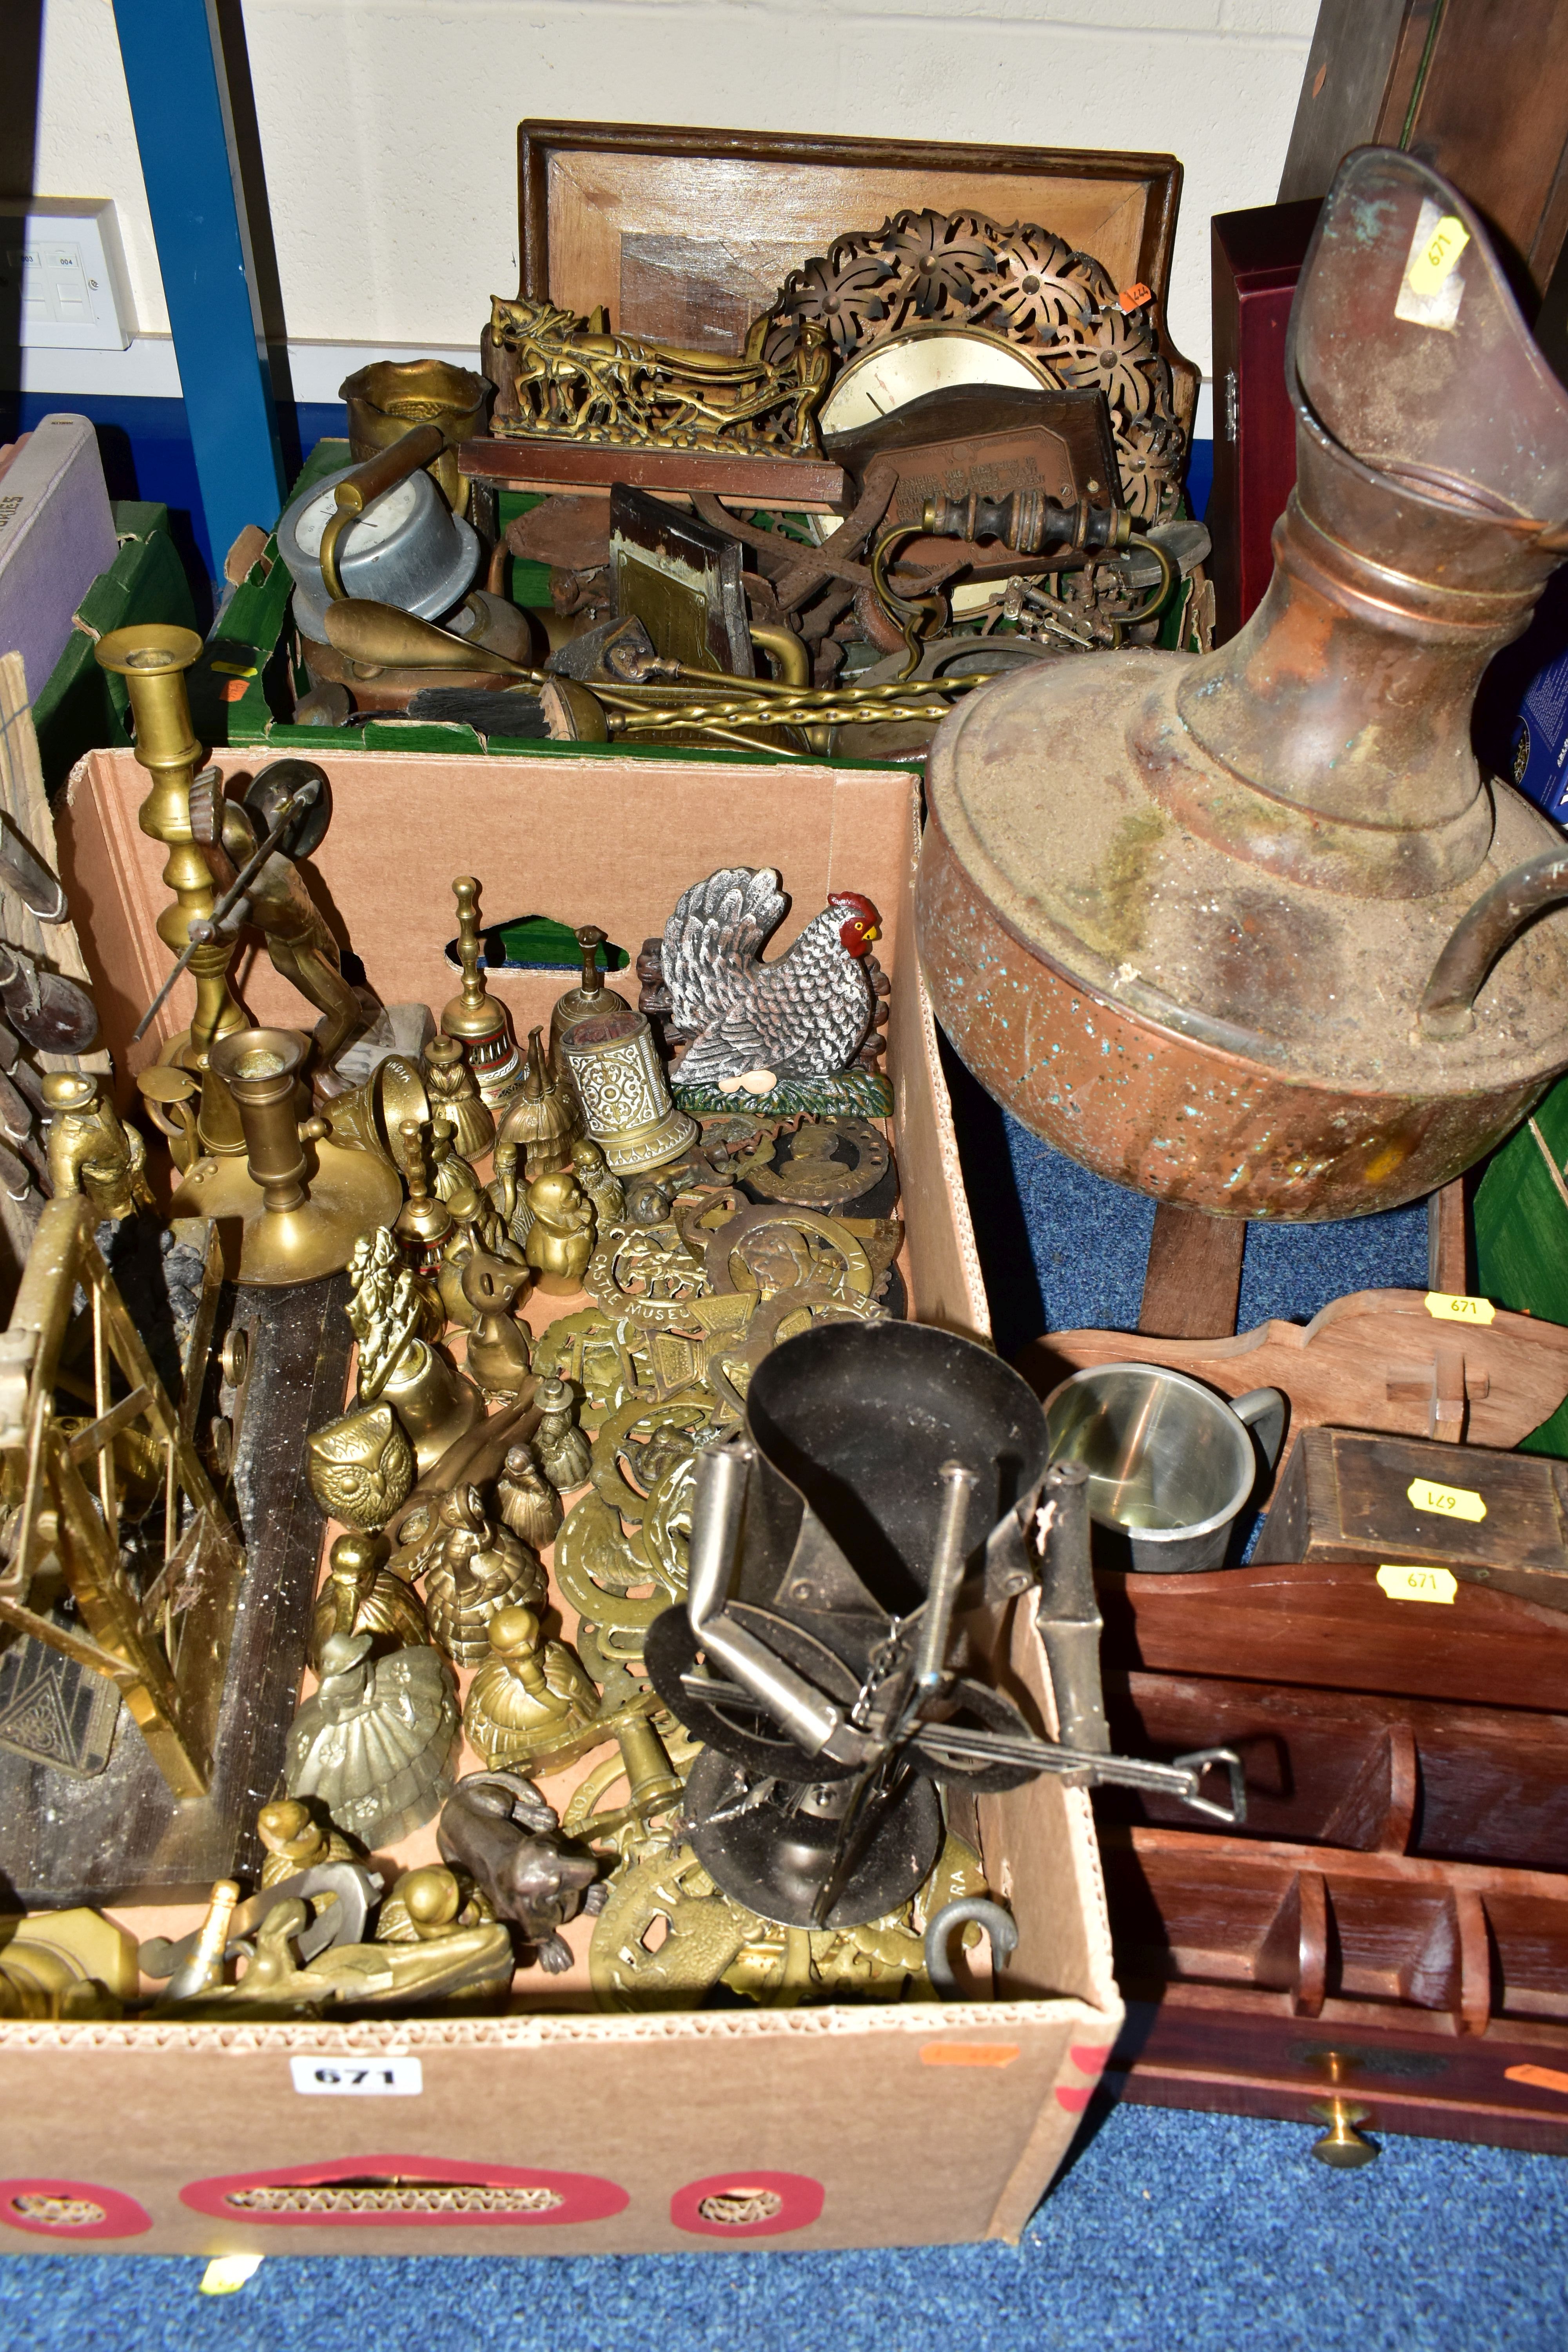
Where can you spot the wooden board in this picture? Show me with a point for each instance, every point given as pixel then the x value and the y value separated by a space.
pixel 1494 1518
pixel 582 467
pixel 1192 1279
pixel 1329 1627
pixel 1374 1360
pixel 120 1837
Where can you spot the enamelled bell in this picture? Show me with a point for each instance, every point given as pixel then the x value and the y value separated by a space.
pixel 1250 931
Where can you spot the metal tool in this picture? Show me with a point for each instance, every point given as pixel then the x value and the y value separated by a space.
pixel 352 1887
pixel 827 1560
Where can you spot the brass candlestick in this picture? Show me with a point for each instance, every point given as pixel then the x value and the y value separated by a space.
pixel 303 1201
pixel 478 1019
pixel 152 659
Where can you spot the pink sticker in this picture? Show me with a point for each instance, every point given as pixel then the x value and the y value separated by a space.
pixel 71 2208
pixel 747 2204
pixel 1087 2061
pixel 1074 2100
pixel 392 2191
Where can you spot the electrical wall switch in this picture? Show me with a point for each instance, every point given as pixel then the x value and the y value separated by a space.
pixel 62 273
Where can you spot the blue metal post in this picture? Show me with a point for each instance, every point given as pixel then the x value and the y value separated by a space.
pixel 179 99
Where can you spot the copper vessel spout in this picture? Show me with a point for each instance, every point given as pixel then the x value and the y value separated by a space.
pixel 1251 931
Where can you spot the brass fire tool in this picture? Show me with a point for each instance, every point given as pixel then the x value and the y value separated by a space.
pixel 152 659
pixel 165 1648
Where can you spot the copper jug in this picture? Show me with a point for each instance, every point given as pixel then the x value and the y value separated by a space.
pixel 1249 931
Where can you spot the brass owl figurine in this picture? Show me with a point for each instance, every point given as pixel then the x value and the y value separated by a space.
pixel 361 1466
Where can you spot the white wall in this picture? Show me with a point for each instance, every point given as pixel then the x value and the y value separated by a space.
pixel 388 126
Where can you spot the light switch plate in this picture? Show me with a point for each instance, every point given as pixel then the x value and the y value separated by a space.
pixel 62 273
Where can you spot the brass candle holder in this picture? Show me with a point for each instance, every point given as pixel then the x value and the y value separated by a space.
pixel 302 1200
pixel 152 659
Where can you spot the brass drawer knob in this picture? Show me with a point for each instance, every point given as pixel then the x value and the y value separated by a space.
pixel 1342 2144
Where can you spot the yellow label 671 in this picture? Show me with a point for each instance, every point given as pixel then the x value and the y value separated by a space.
pixel 1434 262
pixel 1449 1502
pixel 1459 1309
pixel 1402 1583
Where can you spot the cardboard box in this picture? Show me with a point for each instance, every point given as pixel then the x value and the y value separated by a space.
pixel 575 2132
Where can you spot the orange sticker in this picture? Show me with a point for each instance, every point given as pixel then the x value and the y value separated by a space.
pixel 237 690
pixel 1540 2078
pixel 1135 297
pixel 968 2053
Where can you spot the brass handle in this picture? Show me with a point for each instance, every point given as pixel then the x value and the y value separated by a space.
pixel 371 481
pixel 1480 936
pixel 1342 2144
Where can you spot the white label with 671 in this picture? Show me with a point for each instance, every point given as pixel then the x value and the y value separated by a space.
pixel 362 2078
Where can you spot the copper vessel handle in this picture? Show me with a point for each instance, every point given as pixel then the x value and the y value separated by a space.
pixel 371 480
pixel 1480 936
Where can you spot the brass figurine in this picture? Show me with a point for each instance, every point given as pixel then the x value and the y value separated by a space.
pixel 480 1568
pixel 589 1000
pixel 543 1118
pixel 453 1095
pixel 530 1703
pixel 497 1827
pixel 450 1174
pixel 560 1236
pixel 478 1230
pixel 528 1503
pixel 296 1841
pixel 470 1959
pixel 498 1354
pixel 70 1965
pixel 362 1466
pixel 384 1308
pixel 562 1450
pixel 426 1901
pixel 377 1741
pixel 362 1596
pixel 435 1403
pixel 277 902
pixel 152 659
pixel 619 1080
pixel 561 377
pixel 302 1200
pixel 479 1021
pixel 89 1149
pixel 606 1191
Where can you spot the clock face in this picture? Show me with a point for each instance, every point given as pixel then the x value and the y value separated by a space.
pixel 890 376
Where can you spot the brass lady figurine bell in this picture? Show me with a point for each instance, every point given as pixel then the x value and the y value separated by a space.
pixel 378 1741
pixel 530 1703
pixel 364 1596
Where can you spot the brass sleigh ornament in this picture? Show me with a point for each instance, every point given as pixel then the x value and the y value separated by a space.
pixel 561 377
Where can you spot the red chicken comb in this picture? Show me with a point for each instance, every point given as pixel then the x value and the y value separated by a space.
pixel 862 906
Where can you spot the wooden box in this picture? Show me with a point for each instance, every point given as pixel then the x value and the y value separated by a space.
pixel 687 234
pixel 1393 1922
pixel 871 2125
pixel 1492 1518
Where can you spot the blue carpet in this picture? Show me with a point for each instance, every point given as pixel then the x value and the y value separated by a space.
pixel 1164 2231
pixel 1203 2232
